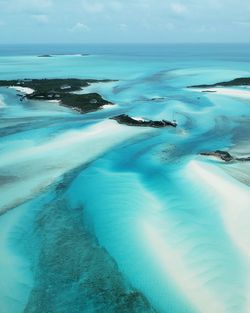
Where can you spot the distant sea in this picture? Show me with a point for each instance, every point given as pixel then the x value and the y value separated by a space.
pixel 224 51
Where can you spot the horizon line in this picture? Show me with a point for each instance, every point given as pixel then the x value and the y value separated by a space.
pixel 119 43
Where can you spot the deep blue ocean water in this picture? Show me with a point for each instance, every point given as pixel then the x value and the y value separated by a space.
pixel 102 217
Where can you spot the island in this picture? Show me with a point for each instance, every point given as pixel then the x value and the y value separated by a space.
pixel 224 156
pixel 60 90
pixel 45 56
pixel 62 54
pixel 134 121
pixel 243 81
pixel 158 99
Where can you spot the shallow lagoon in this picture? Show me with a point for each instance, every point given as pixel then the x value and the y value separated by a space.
pixel 101 217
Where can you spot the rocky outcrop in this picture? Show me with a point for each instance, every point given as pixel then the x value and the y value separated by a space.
pixel 130 121
pixel 45 56
pixel 224 156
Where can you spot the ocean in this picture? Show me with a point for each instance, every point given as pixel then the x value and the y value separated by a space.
pixel 96 216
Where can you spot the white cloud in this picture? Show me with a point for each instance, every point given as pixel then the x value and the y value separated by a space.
pixel 178 8
pixel 137 20
pixel 40 18
pixel 80 27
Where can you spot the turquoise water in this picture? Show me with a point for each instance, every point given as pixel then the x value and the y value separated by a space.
pixel 101 217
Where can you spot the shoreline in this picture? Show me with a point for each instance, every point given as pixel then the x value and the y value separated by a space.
pixel 140 122
pixel 60 91
pixel 25 90
pixel 227 88
pixel 224 91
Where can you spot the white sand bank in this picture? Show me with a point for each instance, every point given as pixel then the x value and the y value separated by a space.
pixel 57 156
pixel 233 198
pixel 25 90
pixel 171 263
pixel 108 106
pixel 54 101
pixel 138 118
pixel 226 91
pixel 2 103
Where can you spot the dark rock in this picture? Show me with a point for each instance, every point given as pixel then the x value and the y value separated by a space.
pixel 208 91
pixel 45 56
pixel 224 156
pixel 127 120
pixel 158 99
pixel 247 159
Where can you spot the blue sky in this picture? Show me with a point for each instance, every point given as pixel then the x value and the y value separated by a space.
pixel 87 21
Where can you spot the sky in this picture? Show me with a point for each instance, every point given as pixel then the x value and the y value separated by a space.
pixel 124 21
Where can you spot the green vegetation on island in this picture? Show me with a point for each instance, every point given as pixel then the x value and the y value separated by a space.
pixel 130 121
pixel 243 81
pixel 61 90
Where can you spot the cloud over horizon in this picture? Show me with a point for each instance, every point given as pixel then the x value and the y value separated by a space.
pixel 119 21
